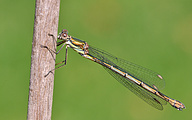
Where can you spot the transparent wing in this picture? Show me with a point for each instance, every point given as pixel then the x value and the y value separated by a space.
pixel 148 76
pixel 137 71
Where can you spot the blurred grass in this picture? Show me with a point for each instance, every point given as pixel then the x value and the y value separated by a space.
pixel 154 34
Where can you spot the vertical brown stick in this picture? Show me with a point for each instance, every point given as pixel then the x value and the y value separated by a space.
pixel 41 88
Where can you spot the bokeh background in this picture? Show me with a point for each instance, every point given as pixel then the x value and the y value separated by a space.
pixel 154 34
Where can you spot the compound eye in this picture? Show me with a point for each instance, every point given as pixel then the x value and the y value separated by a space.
pixel 64 34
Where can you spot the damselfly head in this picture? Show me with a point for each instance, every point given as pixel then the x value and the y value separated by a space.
pixel 63 35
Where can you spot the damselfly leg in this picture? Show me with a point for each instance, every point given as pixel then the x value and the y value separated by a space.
pixel 64 62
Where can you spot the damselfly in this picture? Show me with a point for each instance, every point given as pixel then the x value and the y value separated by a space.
pixel 141 81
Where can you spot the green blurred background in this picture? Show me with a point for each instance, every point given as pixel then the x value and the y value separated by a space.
pixel 154 34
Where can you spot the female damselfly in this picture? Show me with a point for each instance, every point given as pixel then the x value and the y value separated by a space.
pixel 141 81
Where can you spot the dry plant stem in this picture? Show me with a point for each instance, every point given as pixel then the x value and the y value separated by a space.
pixel 41 88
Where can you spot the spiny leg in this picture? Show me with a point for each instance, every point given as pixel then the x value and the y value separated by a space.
pixel 50 50
pixel 54 40
pixel 54 51
pixel 64 61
